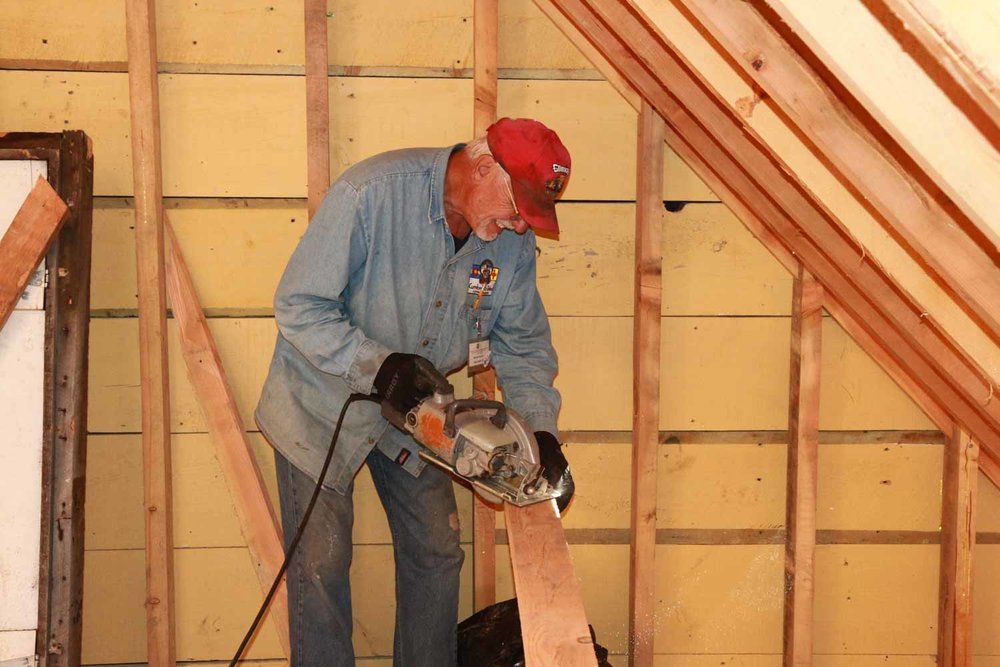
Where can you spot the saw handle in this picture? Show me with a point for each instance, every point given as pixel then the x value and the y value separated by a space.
pixel 499 419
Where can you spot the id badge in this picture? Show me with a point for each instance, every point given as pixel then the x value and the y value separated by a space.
pixel 479 355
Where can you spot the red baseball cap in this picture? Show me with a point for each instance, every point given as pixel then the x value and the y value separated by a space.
pixel 538 165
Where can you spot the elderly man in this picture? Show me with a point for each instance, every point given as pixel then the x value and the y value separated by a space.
pixel 418 253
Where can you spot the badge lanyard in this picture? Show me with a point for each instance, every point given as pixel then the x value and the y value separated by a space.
pixel 479 345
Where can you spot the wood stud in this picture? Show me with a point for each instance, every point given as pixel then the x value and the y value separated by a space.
pixel 958 544
pixel 485 28
pixel 145 118
pixel 803 441
pixel 317 104
pixel 646 384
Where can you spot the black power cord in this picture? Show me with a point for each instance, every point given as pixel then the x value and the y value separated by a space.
pixel 305 518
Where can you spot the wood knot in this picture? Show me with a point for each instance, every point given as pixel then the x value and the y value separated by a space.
pixel 758 62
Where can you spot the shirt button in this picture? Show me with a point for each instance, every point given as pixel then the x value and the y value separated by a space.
pixel 437 304
pixel 424 342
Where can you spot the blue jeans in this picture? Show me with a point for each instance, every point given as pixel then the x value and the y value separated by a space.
pixel 423 519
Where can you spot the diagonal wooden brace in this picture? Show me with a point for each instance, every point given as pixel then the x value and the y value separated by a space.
pixel 257 518
pixel 26 241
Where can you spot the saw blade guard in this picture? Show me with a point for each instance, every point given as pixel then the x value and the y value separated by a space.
pixel 485 443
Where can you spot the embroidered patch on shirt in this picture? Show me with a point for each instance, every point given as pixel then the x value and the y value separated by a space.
pixel 483 277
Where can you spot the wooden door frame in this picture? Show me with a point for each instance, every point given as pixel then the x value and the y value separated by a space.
pixel 64 444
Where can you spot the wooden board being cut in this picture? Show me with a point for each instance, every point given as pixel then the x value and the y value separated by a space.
pixel 553 622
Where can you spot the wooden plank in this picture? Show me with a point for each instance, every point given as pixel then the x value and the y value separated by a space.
pixel 901 325
pixel 889 84
pixel 317 104
pixel 550 605
pixel 26 241
pixel 801 476
pixel 911 210
pixel 958 544
pixel 646 383
pixel 945 47
pixel 258 520
pixel 140 17
pixel 484 113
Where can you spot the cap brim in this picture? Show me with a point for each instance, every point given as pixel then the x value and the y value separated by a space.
pixel 538 213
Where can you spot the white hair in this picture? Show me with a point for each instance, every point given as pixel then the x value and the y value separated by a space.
pixel 478 147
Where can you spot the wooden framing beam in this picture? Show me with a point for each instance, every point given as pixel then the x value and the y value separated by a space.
pixel 803 443
pixel 912 212
pixel 646 384
pixel 755 176
pixel 317 104
pixel 922 20
pixel 754 224
pixel 550 605
pixel 781 9
pixel 257 518
pixel 958 543
pixel 140 22
pixel 26 241
pixel 485 20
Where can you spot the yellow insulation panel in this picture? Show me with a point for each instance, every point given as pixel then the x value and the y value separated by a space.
pixel 435 33
pixel 711 370
pixel 243 136
pixel 712 265
pixel 204 512
pixel 217 595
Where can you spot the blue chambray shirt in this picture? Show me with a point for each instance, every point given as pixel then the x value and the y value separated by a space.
pixel 375 273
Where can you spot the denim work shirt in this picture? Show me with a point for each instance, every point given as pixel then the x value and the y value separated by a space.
pixel 376 272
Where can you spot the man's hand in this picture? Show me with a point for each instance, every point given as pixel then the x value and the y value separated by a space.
pixel 406 379
pixel 556 467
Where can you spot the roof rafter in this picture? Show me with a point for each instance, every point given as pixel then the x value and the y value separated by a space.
pixel 904 204
pixel 756 180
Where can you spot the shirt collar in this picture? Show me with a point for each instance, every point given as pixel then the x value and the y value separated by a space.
pixel 435 210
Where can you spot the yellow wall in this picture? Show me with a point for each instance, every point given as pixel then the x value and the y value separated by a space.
pixel 232 115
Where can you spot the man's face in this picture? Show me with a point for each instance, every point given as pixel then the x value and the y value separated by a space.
pixel 492 208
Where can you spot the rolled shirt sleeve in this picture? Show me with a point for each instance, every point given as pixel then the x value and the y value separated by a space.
pixel 523 355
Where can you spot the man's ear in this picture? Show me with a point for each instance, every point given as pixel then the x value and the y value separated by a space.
pixel 482 166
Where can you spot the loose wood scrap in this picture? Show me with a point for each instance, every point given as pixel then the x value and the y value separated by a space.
pixel 258 521
pixel 144 103
pixel 646 383
pixel 26 241
pixel 803 441
pixel 553 621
